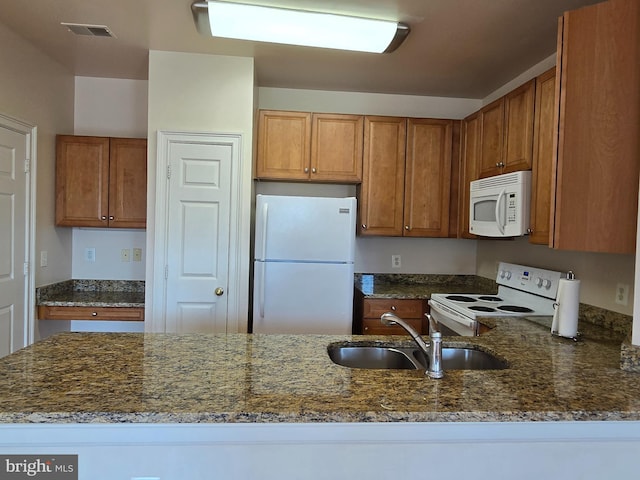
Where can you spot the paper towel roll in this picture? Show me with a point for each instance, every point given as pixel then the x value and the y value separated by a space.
pixel 565 317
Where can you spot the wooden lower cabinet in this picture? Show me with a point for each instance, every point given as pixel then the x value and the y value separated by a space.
pixel 46 312
pixel 368 312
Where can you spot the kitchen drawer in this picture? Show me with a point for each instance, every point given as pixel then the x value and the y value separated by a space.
pixel 373 326
pixel 405 309
pixel 90 313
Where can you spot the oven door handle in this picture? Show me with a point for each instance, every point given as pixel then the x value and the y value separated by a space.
pixel 451 315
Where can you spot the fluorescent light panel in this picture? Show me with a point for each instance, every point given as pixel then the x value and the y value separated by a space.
pixel 297 27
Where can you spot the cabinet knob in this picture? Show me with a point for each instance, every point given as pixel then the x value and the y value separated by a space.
pixel 313 170
pixel 529 230
pixel 110 217
pixel 406 227
pixel 104 217
pixel 393 307
pixel 94 314
pixel 306 169
pixel 364 226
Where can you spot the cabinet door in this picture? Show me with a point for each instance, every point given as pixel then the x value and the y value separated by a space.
pixel 382 191
pixel 597 167
pixel 82 181
pixel 128 183
pixel 491 138
pixel 427 178
pixel 469 169
pixel 336 148
pixel 284 145
pixel 517 150
pixel 543 134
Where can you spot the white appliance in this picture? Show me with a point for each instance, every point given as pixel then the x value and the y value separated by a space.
pixel 499 206
pixel 522 292
pixel 303 265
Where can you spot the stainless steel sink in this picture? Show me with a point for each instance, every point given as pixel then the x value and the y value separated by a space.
pixel 391 357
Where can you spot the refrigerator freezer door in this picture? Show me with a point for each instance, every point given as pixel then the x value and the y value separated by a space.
pixel 309 229
pixel 303 298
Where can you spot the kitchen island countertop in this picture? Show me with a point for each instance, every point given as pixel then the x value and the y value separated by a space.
pixel 239 378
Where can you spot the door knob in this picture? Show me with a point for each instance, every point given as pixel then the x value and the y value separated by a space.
pixel 219 291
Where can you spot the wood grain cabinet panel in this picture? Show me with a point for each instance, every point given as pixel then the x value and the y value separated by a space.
pixel 427 177
pixel 46 312
pixel 597 161
pixel 410 310
pixel 470 139
pixel 309 147
pixel 101 182
pixel 491 138
pixel 381 195
pixel 543 145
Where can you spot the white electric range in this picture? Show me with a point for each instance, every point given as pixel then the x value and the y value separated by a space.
pixel 522 291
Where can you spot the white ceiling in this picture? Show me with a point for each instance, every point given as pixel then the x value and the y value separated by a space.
pixel 456 48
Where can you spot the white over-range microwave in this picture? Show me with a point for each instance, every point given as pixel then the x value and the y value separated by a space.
pixel 499 206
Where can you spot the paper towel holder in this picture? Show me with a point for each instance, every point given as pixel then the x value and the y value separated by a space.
pixel 578 335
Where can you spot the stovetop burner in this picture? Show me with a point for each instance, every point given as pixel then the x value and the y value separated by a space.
pixel 489 298
pixel 480 308
pixel 460 298
pixel 514 308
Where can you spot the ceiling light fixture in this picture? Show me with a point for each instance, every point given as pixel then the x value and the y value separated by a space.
pixel 297 27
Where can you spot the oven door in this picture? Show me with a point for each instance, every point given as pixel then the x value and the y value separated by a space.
pixel 451 322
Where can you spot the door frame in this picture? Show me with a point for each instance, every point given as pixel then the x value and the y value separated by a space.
pixel 237 309
pixel 31 133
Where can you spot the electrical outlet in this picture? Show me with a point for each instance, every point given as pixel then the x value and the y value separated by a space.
pixel 396 261
pixel 90 254
pixel 622 294
pixel 137 254
pixel 125 255
pixel 44 261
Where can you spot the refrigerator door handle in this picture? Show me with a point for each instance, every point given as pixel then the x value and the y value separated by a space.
pixel 261 267
pixel 265 218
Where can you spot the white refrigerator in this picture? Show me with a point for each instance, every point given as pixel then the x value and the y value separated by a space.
pixel 303 264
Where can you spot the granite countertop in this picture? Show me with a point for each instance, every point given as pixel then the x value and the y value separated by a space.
pixel 197 378
pixel 418 286
pixel 92 293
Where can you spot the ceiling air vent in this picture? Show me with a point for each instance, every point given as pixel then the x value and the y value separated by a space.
pixel 89 30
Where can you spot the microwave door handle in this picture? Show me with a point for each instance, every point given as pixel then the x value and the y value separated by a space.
pixel 500 226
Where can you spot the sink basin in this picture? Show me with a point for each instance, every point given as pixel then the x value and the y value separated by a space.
pixel 388 357
pixel 363 356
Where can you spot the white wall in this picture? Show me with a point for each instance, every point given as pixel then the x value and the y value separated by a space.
pixel 202 93
pixel 109 107
pixel 373 254
pixel 39 91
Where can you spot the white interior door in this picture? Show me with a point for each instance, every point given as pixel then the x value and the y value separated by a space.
pixel 198 233
pixel 15 241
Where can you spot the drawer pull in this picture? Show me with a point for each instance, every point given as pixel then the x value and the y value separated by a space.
pixel 393 307
pixel 94 314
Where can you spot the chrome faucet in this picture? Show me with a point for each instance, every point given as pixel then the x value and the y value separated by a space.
pixel 433 351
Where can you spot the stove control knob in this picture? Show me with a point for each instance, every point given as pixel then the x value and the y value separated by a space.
pixel 508 275
pixel 501 273
pixel 547 284
pixel 538 282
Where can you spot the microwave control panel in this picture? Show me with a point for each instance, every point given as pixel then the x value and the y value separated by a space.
pixel 512 208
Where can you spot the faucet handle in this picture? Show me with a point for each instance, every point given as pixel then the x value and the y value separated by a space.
pixel 434 326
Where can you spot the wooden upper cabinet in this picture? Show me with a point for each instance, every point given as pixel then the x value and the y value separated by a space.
pixel 491 138
pixel 336 147
pixel 284 145
pixel 381 195
pixel 82 181
pixel 101 182
pixel 300 146
pixel 427 177
pixel 470 139
pixel 128 182
pixel 597 163
pixel 543 148
pixel 517 150
pixel 506 132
